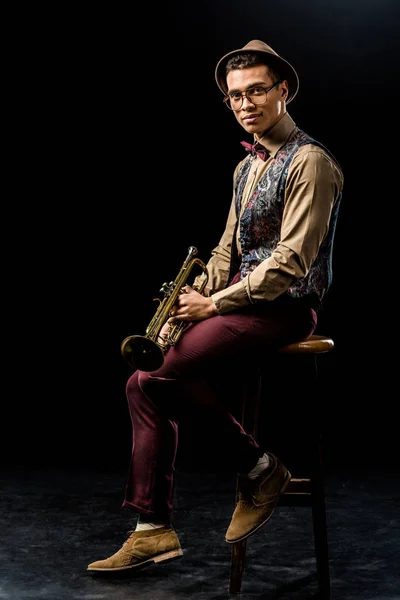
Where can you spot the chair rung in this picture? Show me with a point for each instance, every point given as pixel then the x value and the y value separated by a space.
pixel 298 486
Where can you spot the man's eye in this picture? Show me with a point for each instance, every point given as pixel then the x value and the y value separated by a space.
pixel 256 91
pixel 235 95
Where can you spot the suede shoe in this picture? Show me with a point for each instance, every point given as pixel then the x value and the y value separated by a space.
pixel 141 549
pixel 257 500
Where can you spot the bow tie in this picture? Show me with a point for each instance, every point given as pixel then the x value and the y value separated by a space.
pixel 257 148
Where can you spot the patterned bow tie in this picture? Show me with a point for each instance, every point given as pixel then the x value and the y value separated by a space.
pixel 257 148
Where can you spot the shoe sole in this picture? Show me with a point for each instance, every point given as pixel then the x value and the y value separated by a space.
pixel 283 488
pixel 145 563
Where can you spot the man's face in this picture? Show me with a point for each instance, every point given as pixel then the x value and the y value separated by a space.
pixel 257 118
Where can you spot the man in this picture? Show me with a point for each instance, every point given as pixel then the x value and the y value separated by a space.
pixel 267 278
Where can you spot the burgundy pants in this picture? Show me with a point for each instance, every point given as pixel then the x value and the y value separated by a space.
pixel 207 367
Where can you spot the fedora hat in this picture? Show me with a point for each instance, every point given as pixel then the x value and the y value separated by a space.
pixel 285 69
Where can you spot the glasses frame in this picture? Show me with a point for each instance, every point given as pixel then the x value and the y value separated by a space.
pixel 227 98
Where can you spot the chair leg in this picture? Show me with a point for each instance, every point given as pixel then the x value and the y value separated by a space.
pixel 238 561
pixel 320 530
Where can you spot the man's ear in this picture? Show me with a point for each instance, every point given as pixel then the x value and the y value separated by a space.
pixel 284 89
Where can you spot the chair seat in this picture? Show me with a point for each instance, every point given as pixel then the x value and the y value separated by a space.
pixel 315 344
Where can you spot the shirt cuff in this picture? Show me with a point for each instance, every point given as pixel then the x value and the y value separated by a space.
pixel 231 298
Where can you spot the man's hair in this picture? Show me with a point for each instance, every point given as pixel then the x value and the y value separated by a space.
pixel 245 60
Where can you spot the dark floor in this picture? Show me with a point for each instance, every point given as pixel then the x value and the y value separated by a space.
pixel 53 523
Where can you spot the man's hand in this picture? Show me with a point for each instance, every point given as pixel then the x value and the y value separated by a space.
pixel 192 306
pixel 162 336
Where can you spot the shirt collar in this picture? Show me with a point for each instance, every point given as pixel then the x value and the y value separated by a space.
pixel 278 135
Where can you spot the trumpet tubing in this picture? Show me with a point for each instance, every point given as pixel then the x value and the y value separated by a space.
pixel 144 352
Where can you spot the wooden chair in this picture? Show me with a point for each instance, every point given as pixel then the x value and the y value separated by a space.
pixel 303 491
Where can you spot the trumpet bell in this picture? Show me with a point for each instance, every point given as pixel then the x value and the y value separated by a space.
pixel 142 353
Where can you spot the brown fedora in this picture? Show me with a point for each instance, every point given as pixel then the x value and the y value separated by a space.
pixel 281 65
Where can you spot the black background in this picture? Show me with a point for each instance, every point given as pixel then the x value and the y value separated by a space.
pixel 122 150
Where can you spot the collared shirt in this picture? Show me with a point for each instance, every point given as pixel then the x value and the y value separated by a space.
pixel 313 186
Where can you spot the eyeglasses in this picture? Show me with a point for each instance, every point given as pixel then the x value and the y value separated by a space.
pixel 256 95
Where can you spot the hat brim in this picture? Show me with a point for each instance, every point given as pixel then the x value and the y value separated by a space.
pixel 278 64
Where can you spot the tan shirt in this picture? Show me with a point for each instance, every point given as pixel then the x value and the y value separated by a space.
pixel 313 187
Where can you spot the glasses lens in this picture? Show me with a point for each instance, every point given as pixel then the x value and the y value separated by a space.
pixel 257 95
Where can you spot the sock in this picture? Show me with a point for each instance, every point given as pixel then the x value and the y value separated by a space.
pixel 263 463
pixel 143 524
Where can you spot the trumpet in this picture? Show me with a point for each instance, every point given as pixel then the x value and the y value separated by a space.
pixel 145 352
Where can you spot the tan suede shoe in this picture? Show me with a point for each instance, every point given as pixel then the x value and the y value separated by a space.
pixel 140 549
pixel 257 500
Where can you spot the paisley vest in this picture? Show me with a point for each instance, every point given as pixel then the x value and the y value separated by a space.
pixel 260 223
